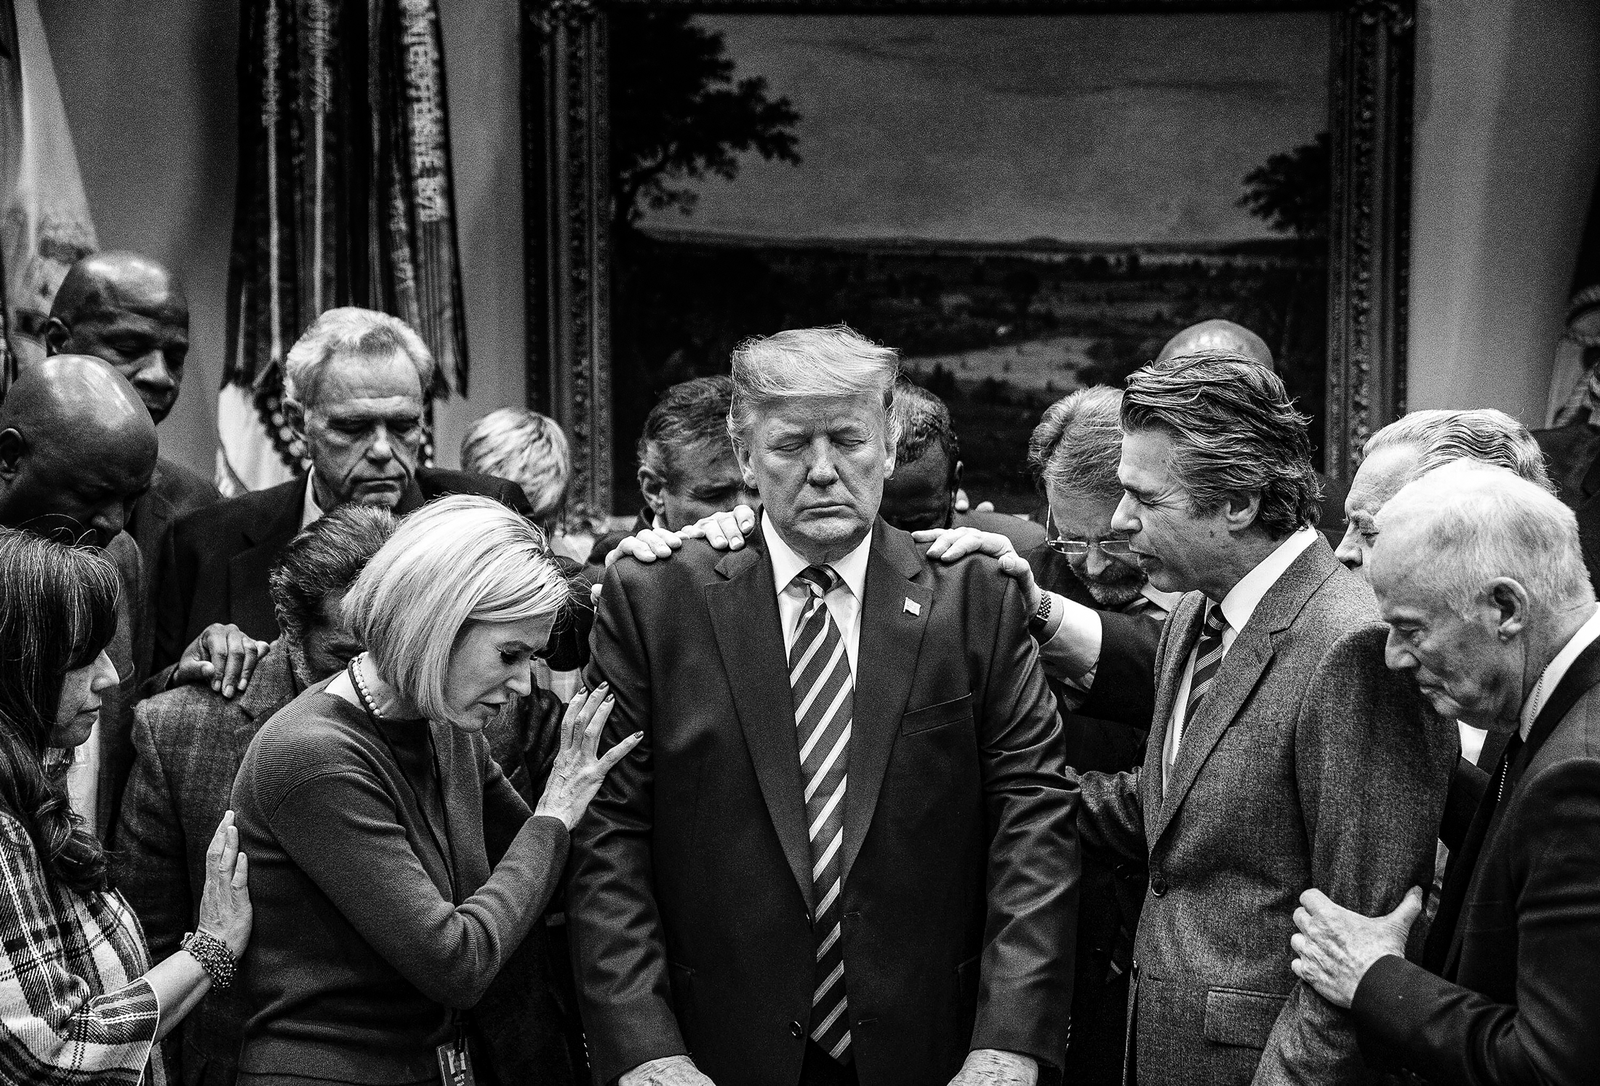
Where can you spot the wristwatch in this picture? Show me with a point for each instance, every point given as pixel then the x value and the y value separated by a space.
pixel 1041 617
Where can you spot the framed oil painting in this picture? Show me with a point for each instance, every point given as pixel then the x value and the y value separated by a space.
pixel 1023 198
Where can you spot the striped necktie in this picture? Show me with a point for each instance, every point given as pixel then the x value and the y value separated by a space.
pixel 1207 659
pixel 819 673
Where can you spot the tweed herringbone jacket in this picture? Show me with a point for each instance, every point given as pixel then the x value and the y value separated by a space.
pixel 1309 763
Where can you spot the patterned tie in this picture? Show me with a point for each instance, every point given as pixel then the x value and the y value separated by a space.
pixel 1207 658
pixel 819 672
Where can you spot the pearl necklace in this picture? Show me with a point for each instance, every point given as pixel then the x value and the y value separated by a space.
pixel 360 683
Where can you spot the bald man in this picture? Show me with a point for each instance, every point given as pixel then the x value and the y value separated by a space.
pixel 131 312
pixel 1218 337
pixel 77 450
pixel 77 447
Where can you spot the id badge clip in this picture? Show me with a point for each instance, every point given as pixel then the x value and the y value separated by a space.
pixel 455 1064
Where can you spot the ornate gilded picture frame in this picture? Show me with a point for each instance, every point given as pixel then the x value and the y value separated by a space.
pixel 572 208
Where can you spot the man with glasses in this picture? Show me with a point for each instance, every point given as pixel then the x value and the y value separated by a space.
pixel 1083 577
pixel 1085 569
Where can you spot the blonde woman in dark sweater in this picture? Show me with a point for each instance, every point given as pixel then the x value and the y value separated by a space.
pixel 393 868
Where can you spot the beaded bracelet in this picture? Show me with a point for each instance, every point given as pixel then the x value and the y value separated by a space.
pixel 213 955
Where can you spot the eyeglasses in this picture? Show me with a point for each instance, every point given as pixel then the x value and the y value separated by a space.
pixel 1079 548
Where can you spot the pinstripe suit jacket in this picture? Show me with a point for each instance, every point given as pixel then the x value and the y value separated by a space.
pixel 1308 764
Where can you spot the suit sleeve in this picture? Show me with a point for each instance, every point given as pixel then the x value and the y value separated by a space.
pixel 1111 820
pixel 614 923
pixel 1124 687
pixel 1027 965
pixel 1408 1016
pixel 1373 765
pixel 153 873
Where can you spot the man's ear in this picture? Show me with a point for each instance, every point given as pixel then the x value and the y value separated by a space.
pixel 654 489
pixel 12 447
pixel 1241 508
pixel 1510 602
pixel 295 415
pixel 746 469
pixel 56 336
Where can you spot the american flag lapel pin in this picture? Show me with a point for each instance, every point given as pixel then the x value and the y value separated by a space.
pixel 913 608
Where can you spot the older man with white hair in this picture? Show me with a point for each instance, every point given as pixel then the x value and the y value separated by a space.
pixel 355 389
pixel 1409 448
pixel 844 853
pixel 1480 575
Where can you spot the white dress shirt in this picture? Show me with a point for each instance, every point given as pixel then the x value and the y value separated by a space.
pixel 1555 671
pixel 310 511
pixel 1071 655
pixel 1237 607
pixel 843 603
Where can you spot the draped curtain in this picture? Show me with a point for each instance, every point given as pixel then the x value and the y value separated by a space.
pixel 345 197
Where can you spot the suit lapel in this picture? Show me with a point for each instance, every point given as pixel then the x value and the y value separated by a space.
pixel 891 639
pixel 412 498
pixel 1241 670
pixel 744 618
pixel 1184 626
pixel 249 571
pixel 1581 677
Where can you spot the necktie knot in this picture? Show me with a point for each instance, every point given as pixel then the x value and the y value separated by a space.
pixel 1216 621
pixel 818 580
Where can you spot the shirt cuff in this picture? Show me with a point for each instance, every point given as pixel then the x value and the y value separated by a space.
pixel 1072 653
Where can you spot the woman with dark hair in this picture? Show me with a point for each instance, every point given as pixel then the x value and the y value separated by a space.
pixel 79 1001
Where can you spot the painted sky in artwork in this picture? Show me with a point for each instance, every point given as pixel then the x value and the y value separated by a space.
pixel 1079 128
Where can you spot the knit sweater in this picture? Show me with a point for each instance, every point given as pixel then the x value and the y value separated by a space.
pixel 360 949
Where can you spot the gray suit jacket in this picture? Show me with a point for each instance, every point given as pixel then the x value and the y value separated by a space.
pixel 1308 764
pixel 188 743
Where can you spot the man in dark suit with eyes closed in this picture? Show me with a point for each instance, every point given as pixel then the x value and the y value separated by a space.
pixel 844 852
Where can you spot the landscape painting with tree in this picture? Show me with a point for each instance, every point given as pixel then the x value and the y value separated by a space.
pixel 1023 205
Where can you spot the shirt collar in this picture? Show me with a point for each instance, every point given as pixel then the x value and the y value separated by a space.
pixel 1556 670
pixel 1163 601
pixel 310 511
pixel 1243 599
pixel 786 564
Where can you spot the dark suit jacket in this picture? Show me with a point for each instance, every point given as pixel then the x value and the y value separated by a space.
pixel 1516 999
pixel 174 492
pixel 691 878
pixel 1308 764
pixel 608 542
pixel 215 562
pixel 1111 888
pixel 1025 535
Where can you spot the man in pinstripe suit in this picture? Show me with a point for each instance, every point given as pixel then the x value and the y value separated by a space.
pixel 844 852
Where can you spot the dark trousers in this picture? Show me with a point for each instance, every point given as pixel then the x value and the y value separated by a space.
pixel 819 1069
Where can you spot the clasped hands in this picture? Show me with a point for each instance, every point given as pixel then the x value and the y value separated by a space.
pixel 983 1067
